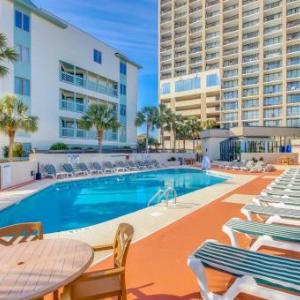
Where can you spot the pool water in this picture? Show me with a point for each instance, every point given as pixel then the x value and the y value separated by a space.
pixel 77 204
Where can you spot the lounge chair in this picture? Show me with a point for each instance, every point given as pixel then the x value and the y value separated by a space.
pixel 284 186
pixel 108 167
pixel 281 193
pixel 50 171
pixel 68 168
pixel 83 167
pixel 140 165
pixel 96 168
pixel 248 166
pixel 258 274
pixel 121 167
pixel 106 283
pixel 267 233
pixel 277 201
pixel 259 167
pixel 131 165
pixel 273 214
pixel 156 164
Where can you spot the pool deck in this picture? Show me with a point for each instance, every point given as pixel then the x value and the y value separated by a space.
pixel 157 265
pixel 165 237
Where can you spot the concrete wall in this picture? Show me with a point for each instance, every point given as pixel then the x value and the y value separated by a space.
pixel 271 158
pixel 58 159
pixel 15 173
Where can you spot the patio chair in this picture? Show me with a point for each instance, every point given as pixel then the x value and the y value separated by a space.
pixel 273 214
pixel 284 186
pixel 265 234
pixel 70 170
pixel 108 167
pixel 96 168
pixel 83 167
pixel 50 171
pixel 109 282
pixel 257 274
pixel 20 233
pixel 156 164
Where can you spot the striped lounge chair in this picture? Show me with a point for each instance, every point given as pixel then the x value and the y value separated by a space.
pixel 266 234
pixel 277 201
pixel 281 193
pixel 274 214
pixel 258 274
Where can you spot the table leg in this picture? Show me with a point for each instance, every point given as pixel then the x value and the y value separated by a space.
pixel 66 295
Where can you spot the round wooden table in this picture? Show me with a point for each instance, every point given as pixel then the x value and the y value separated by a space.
pixel 34 269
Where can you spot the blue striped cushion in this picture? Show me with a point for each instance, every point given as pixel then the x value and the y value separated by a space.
pixel 270 211
pixel 277 232
pixel 264 268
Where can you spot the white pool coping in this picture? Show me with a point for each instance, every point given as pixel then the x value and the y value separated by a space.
pixel 145 221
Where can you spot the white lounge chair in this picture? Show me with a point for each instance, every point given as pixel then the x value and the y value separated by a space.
pixel 50 171
pixel 68 168
pixel 257 273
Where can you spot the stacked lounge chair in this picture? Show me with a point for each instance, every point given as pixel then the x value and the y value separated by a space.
pixel 258 274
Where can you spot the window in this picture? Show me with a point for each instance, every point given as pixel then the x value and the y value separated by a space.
pixel 23 54
pixel 22 86
pixel 212 80
pixel 293 111
pixel 293 122
pixel 22 21
pixel 97 56
pixel 272 123
pixel 250 114
pixel 123 68
pixel 188 84
pixel 123 110
pixel 165 88
pixel 123 89
pixel 293 98
pixel 250 103
pixel 268 101
pixel 272 113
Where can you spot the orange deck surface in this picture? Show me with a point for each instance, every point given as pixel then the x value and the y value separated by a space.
pixel 157 265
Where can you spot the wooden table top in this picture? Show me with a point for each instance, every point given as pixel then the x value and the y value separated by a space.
pixel 33 269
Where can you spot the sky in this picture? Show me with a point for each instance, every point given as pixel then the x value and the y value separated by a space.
pixel 127 25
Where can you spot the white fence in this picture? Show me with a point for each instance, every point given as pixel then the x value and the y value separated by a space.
pixel 15 173
pixel 59 158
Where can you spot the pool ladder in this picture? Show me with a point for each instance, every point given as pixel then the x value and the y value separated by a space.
pixel 165 193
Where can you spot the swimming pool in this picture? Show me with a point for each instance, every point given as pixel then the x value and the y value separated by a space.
pixel 81 203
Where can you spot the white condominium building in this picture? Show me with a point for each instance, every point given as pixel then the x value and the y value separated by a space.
pixel 61 70
pixel 237 61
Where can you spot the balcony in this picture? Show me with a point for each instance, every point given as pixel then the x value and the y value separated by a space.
pixel 66 132
pixel 73 106
pixel 87 84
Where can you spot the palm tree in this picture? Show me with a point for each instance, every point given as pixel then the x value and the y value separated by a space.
pixel 164 119
pixel 13 117
pixel 174 127
pixel 6 53
pixel 149 117
pixel 184 133
pixel 195 128
pixel 208 124
pixel 102 117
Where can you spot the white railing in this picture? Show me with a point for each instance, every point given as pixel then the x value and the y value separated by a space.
pixel 164 195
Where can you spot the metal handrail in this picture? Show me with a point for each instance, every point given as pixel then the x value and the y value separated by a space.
pixel 166 193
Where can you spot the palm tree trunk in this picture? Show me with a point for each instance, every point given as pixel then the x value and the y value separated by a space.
pixel 11 137
pixel 100 134
pixel 184 144
pixel 162 135
pixel 147 138
pixel 174 142
pixel 193 145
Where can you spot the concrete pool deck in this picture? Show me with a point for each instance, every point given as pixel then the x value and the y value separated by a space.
pixel 145 221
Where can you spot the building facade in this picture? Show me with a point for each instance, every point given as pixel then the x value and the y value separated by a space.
pixel 61 70
pixel 237 61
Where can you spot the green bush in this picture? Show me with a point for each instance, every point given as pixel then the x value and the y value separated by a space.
pixel 59 146
pixel 18 150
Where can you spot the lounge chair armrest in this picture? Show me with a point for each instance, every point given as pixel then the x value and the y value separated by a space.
pixel 102 274
pixel 103 247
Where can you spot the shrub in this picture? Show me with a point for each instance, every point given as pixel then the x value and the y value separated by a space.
pixel 59 146
pixel 18 150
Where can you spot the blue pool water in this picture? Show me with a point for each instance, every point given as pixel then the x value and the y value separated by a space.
pixel 77 204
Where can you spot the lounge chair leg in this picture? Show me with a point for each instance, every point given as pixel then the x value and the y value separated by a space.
pixel 247 214
pixel 232 236
pixel 198 268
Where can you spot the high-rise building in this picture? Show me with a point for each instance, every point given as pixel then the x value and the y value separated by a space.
pixel 237 61
pixel 60 71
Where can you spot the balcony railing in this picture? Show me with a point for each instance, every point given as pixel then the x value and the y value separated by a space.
pixel 83 134
pixel 70 105
pixel 87 84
